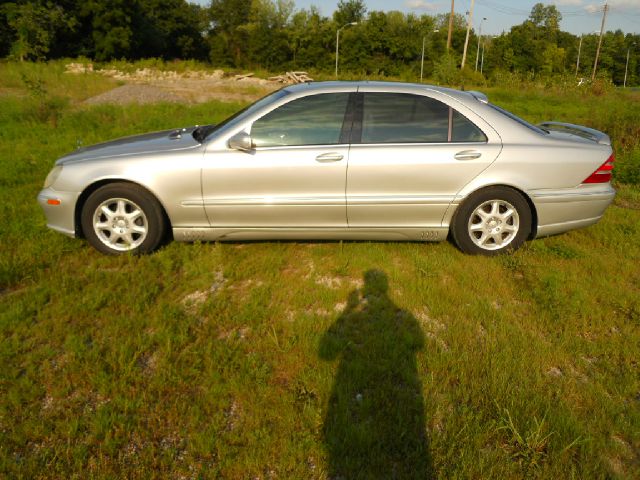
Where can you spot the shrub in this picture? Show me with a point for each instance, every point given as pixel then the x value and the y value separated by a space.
pixel 46 107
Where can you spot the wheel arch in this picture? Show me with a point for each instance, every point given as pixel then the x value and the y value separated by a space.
pixel 532 207
pixel 86 193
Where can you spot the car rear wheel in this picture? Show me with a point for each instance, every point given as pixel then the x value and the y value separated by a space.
pixel 492 221
pixel 123 218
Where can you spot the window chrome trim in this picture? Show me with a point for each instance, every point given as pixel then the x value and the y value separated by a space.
pixel 327 146
pixel 446 144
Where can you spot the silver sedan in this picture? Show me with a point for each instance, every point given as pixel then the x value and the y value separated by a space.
pixel 339 160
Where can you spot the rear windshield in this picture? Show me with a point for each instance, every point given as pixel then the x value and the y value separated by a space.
pixel 517 119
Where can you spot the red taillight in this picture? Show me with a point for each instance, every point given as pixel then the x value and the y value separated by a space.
pixel 603 173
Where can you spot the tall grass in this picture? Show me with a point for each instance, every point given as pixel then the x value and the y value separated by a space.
pixel 303 359
pixel 614 113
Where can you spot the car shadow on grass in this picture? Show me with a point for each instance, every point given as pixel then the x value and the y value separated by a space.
pixel 375 421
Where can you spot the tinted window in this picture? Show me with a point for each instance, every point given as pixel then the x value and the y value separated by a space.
pixel 465 131
pixel 249 110
pixel 403 118
pixel 314 120
pixel 517 119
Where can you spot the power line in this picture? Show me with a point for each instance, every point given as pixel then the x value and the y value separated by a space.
pixel 514 11
pixel 566 14
pixel 507 10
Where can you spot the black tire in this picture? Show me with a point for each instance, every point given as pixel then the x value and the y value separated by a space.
pixel 483 225
pixel 123 218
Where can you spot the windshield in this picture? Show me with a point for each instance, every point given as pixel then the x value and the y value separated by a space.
pixel 517 119
pixel 248 110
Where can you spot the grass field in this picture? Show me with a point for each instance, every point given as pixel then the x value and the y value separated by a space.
pixel 305 360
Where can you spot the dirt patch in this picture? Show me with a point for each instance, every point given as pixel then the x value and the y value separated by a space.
pixel 192 301
pixel 12 92
pixel 141 94
pixel 194 90
pixel 151 86
pixel 183 90
pixel 628 203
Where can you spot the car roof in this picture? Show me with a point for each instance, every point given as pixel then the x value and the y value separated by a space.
pixel 460 95
pixel 476 102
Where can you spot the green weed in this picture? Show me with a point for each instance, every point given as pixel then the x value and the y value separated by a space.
pixel 529 445
pixel 236 360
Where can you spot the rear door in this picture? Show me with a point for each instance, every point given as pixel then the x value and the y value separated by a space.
pixel 410 155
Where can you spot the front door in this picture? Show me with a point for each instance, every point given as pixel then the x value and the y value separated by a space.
pixel 295 174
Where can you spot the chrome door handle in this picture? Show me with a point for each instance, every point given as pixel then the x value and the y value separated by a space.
pixel 467 155
pixel 329 157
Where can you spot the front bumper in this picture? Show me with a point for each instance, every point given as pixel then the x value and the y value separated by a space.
pixel 59 208
pixel 563 210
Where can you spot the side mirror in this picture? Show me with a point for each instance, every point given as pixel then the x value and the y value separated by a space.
pixel 241 141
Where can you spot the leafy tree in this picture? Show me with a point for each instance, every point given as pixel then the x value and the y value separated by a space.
pixel 227 39
pixel 546 16
pixel 267 35
pixel 34 26
pixel 311 38
pixel 531 46
pixel 613 55
pixel 459 29
pixel 271 34
pixel 446 70
pixel 112 28
pixel 552 59
pixel 349 11
pixel 7 34
pixel 170 29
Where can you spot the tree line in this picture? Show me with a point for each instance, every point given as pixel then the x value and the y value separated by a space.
pixel 273 35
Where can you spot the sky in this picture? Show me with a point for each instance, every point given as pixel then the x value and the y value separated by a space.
pixel 578 16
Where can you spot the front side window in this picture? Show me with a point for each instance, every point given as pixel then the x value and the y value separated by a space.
pixel 406 118
pixel 313 120
pixel 247 111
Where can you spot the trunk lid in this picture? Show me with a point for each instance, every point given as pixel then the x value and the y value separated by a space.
pixel 568 130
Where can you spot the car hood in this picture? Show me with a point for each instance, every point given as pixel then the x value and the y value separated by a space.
pixel 166 140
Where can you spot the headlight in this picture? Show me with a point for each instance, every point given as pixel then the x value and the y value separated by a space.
pixel 53 176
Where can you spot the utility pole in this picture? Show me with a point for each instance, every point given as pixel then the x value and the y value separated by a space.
pixel 479 40
pixel 595 64
pixel 466 41
pixel 626 66
pixel 578 61
pixel 424 38
pixel 450 26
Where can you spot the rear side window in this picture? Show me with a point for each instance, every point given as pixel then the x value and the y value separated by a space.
pixel 406 118
pixel 313 120
pixel 464 131
pixel 403 118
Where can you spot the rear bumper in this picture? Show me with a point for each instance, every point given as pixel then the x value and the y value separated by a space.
pixel 60 217
pixel 562 210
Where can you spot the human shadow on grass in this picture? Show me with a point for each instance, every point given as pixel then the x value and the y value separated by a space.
pixel 374 427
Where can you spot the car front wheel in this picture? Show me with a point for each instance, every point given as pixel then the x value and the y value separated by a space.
pixel 120 218
pixel 492 221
